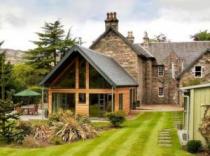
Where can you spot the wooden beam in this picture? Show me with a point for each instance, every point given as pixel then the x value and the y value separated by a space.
pixel 87 75
pixel 49 102
pixel 90 91
pixel 77 73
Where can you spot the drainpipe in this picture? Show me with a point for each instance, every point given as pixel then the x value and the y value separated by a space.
pixel 112 99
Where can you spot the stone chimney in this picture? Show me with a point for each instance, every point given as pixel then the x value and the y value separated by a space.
pixel 130 37
pixel 145 40
pixel 111 20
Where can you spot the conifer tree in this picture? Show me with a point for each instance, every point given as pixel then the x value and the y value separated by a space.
pixel 51 46
pixel 6 105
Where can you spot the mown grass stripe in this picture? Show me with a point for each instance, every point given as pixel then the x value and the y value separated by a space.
pixel 116 145
pixel 152 139
pixel 87 145
pixel 126 147
pixel 104 144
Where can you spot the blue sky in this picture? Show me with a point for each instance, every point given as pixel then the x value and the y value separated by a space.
pixel 178 19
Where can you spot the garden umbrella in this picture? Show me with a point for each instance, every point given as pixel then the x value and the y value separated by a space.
pixel 27 92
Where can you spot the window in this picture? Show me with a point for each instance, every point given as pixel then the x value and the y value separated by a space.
pixel 96 80
pixel 161 92
pixel 198 71
pixel 82 71
pixel 160 70
pixel 173 70
pixel 82 98
pixel 120 101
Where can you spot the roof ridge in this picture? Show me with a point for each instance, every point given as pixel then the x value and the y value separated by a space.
pixel 93 51
pixel 177 42
pixel 121 36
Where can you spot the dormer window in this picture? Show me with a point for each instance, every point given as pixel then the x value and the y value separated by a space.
pixel 198 71
pixel 160 70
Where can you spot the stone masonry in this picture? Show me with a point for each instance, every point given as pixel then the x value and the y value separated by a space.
pixel 145 70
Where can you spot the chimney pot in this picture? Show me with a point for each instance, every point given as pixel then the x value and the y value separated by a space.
pixel 111 20
pixel 115 15
pixel 130 37
pixel 145 39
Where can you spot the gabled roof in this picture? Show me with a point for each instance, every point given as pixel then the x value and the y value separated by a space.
pixel 106 66
pixel 193 63
pixel 188 51
pixel 139 51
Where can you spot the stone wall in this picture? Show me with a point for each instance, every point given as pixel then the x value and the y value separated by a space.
pixel 113 46
pixel 166 81
pixel 188 77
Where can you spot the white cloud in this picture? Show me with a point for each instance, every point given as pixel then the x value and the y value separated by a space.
pixel 178 19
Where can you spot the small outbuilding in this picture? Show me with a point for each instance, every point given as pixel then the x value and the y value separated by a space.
pixel 196 107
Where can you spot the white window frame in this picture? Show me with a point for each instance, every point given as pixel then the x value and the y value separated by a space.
pixel 198 71
pixel 173 70
pixel 161 95
pixel 162 68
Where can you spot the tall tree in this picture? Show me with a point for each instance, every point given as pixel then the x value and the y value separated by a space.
pixel 6 105
pixel 50 47
pixel 201 36
pixel 5 73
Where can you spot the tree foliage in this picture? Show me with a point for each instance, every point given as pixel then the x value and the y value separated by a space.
pixel 7 120
pixel 201 36
pixel 159 38
pixel 51 46
pixel 5 74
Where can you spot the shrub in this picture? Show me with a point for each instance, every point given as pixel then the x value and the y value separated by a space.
pixel 81 119
pixel 71 129
pixel 55 140
pixel 61 116
pixel 22 129
pixel 30 141
pixel 194 146
pixel 116 118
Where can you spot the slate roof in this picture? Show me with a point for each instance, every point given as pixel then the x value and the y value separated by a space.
pixel 138 50
pixel 188 51
pixel 193 63
pixel 106 66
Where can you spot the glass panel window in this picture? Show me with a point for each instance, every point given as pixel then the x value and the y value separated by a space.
pixel 63 101
pixel 82 98
pixel 198 71
pixel 120 101
pixel 160 70
pixel 67 80
pixel 161 92
pixel 96 80
pixel 82 71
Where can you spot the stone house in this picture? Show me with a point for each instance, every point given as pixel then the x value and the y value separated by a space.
pixel 158 67
pixel 115 72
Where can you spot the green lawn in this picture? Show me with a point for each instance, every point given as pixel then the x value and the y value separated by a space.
pixel 138 137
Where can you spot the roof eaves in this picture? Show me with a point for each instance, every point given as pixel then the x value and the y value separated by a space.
pixel 196 86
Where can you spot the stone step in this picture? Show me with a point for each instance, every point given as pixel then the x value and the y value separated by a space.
pixel 164 135
pixel 164 138
pixel 164 141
